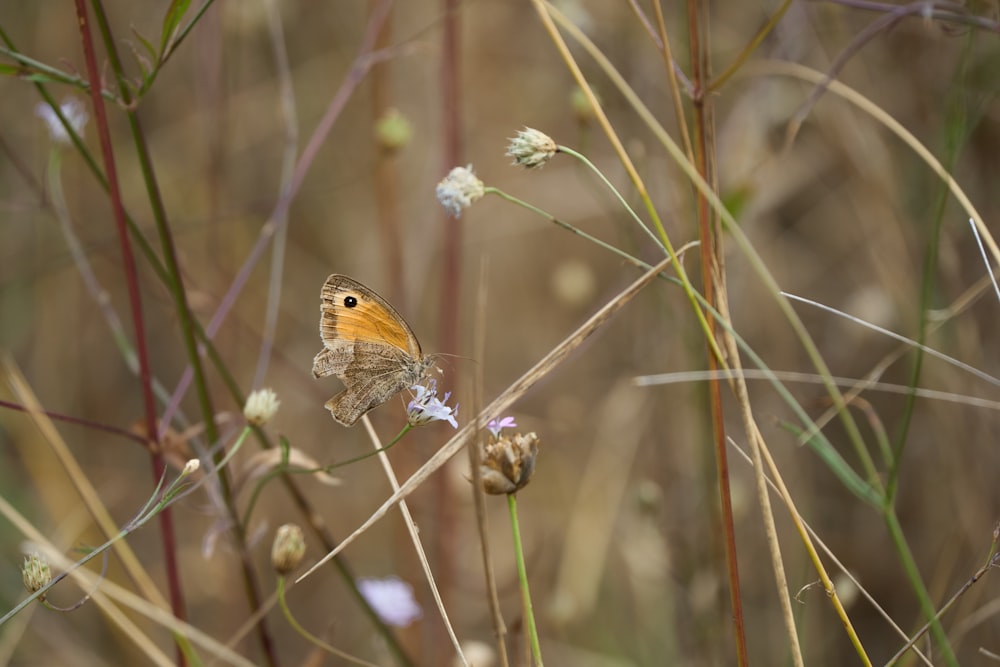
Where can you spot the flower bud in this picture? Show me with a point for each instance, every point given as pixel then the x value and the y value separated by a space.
pixel 35 573
pixel 288 549
pixel 393 131
pixel 261 406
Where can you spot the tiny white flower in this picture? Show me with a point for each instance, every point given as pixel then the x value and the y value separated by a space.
pixel 191 466
pixel 392 599
pixel 75 113
pixel 459 190
pixel 531 148
pixel 261 406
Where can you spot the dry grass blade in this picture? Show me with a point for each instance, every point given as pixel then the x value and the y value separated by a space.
pixel 411 528
pixel 81 482
pixel 501 403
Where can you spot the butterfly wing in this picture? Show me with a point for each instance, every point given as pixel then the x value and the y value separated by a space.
pixel 368 345
pixel 370 319
pixel 372 375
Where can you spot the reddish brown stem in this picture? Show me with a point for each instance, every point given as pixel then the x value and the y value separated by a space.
pixel 451 278
pixel 80 421
pixel 165 517
pixel 703 149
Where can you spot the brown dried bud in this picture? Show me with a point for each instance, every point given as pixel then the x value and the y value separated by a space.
pixel 508 463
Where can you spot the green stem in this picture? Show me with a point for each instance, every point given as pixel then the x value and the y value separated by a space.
pixel 621 200
pixel 913 574
pixel 148 511
pixel 283 469
pixel 308 636
pixel 522 575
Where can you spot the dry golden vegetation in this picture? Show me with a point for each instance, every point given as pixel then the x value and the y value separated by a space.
pixel 825 247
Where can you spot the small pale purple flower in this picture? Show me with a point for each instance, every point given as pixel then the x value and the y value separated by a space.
pixel 392 599
pixel 497 425
pixel 427 407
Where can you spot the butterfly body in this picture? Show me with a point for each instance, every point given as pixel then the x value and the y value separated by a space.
pixel 368 345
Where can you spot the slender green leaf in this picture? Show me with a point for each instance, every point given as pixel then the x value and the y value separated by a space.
pixel 27 74
pixel 839 467
pixel 145 42
pixel 171 22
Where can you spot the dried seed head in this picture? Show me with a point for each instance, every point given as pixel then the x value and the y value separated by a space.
pixel 531 148
pixel 288 548
pixel 35 573
pixel 508 463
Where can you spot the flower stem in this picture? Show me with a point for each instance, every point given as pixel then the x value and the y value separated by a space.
pixel 309 636
pixel 372 453
pixel 282 469
pixel 522 575
pixel 621 200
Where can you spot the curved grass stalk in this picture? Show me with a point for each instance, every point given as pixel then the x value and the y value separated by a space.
pixel 621 200
pixel 848 94
pixel 411 527
pixel 310 637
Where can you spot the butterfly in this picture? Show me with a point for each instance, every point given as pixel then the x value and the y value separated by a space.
pixel 368 345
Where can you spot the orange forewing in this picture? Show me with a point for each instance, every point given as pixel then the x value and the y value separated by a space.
pixel 368 345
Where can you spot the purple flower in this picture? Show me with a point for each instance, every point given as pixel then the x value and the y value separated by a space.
pixel 392 599
pixel 497 425
pixel 427 407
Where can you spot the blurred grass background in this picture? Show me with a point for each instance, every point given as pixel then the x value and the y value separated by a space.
pixel 626 571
